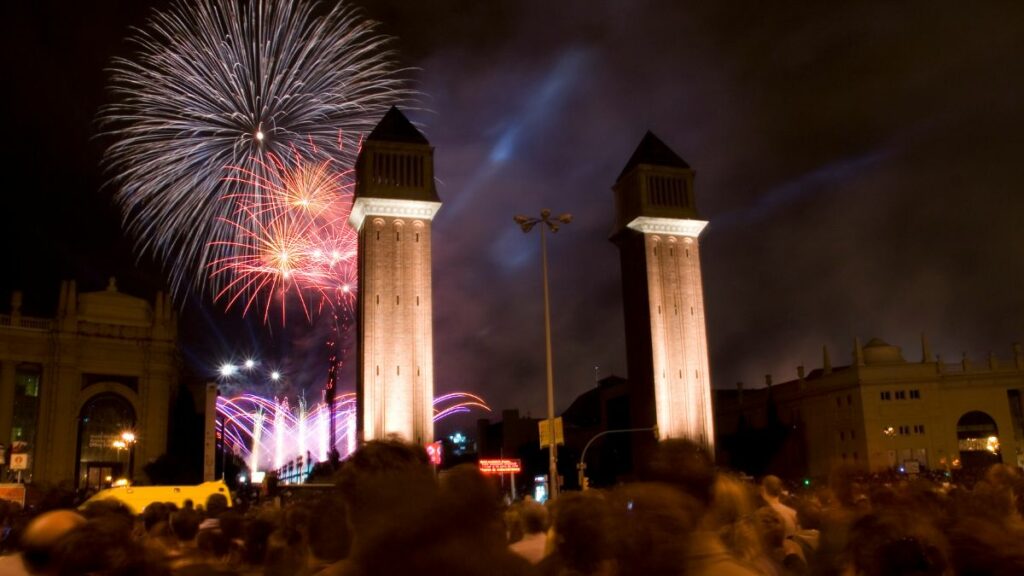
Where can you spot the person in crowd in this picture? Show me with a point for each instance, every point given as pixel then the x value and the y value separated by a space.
pixel 104 546
pixel 185 527
pixel 687 467
pixel 771 492
pixel 732 517
pixel 895 542
pixel 38 542
pixel 651 528
pixel 532 519
pixel 581 536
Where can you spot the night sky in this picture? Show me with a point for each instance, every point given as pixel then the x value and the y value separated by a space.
pixel 860 166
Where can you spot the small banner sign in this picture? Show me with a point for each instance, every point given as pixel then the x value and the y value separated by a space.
pixel 19 461
pixel 501 466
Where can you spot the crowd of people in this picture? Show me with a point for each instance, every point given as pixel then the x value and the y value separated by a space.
pixel 391 515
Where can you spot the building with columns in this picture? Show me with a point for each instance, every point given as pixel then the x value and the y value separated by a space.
pixel 71 385
pixel 879 412
pixel 395 203
pixel 657 230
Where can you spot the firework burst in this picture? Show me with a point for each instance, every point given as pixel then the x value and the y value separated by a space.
pixel 234 83
pixel 292 238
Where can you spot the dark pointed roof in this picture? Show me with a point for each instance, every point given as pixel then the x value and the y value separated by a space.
pixel 395 127
pixel 654 152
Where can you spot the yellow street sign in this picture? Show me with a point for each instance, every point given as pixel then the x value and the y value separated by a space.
pixel 544 426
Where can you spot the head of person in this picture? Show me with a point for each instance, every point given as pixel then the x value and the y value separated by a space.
pixel 386 484
pixel 650 524
pixel 216 504
pixel 185 524
pixel 686 466
pixel 101 547
pixel 42 535
pixel 582 523
pixel 533 518
pixel 154 514
pixel 771 487
pixel 896 541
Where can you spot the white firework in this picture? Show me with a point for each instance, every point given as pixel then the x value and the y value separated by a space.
pixel 222 85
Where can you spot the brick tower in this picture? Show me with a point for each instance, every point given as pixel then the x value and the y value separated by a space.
pixel 395 203
pixel 657 231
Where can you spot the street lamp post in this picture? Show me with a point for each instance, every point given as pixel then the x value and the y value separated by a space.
pixel 547 223
pixel 129 440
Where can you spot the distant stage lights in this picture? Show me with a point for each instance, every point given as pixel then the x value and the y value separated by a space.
pixel 228 370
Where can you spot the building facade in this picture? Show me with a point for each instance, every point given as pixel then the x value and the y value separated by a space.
pixel 395 203
pixel 70 386
pixel 657 230
pixel 881 413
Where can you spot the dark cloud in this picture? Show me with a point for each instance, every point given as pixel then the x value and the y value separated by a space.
pixel 858 163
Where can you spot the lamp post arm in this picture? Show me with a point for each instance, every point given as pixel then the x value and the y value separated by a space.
pixel 583 455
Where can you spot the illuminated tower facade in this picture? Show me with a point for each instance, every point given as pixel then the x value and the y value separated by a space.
pixel 395 203
pixel 657 230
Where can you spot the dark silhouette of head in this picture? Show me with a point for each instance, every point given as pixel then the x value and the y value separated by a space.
pixel 42 535
pixel 772 486
pixel 385 485
pixel 684 465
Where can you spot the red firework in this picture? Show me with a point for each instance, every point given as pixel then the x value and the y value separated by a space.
pixel 293 238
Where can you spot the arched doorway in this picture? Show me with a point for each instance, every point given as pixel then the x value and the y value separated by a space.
pixel 101 423
pixel 978 439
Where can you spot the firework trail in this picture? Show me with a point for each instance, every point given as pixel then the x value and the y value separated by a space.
pixel 267 432
pixel 291 220
pixel 231 83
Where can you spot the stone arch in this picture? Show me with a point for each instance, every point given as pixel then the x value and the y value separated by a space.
pixel 977 437
pixel 105 411
pixel 109 388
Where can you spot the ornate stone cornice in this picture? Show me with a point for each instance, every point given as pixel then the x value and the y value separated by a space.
pixel 418 209
pixel 673 226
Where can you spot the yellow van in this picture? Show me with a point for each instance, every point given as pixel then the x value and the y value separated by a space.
pixel 138 497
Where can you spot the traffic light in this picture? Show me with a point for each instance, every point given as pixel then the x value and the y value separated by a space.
pixel 586 483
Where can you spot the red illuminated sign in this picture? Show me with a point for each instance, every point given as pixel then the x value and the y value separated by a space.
pixel 434 453
pixel 501 466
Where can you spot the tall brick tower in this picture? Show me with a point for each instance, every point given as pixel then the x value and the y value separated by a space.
pixel 395 203
pixel 657 229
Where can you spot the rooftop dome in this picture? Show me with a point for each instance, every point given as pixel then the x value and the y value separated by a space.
pixel 878 351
